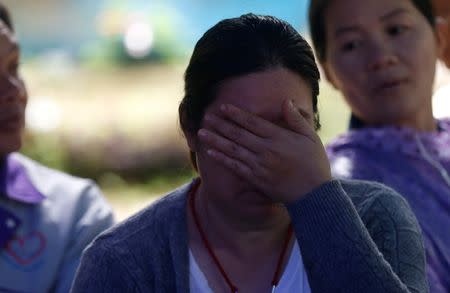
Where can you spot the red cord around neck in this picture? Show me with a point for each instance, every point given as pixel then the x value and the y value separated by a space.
pixel 233 288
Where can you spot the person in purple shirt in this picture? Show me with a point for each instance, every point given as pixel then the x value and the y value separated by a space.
pixel 47 217
pixel 381 55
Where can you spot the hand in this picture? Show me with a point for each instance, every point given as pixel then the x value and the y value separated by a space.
pixel 283 163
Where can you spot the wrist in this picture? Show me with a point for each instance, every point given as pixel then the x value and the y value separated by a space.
pixel 308 189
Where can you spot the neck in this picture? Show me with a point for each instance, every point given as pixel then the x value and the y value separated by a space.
pixel 250 258
pixel 423 122
pixel 239 232
pixel 2 161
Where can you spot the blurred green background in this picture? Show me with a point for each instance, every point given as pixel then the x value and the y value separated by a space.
pixel 105 79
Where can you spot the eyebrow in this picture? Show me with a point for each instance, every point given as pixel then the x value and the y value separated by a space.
pixel 354 28
pixel 393 13
pixel 345 30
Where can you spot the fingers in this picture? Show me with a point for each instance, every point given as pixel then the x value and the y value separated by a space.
pixel 236 166
pixel 231 163
pixel 227 147
pixel 254 124
pixel 295 119
pixel 233 132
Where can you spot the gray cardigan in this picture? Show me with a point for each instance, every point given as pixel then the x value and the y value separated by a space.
pixel 354 236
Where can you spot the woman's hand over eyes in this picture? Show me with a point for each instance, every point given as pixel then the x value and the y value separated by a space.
pixel 282 162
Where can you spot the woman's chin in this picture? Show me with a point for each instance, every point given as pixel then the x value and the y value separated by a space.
pixel 10 142
pixel 255 197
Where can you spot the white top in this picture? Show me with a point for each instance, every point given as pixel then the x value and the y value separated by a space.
pixel 294 277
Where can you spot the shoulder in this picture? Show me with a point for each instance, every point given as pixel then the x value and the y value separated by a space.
pixel 74 206
pixel 141 247
pixel 151 225
pixel 372 232
pixel 392 226
pixel 363 192
pixel 376 201
pixel 352 155
pixel 50 181
pixel 141 250
pixel 74 195
pixel 346 146
pixel 371 139
pixel 444 123
pixel 345 140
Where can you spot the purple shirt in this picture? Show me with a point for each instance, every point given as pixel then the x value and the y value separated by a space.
pixel 417 165
pixel 15 185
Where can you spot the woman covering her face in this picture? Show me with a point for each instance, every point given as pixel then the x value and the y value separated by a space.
pixel 264 214
pixel 381 54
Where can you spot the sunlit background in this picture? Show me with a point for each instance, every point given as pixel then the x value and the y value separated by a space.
pixel 105 79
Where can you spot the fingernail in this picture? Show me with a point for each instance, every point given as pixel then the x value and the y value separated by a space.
pixel 223 107
pixel 291 103
pixel 202 132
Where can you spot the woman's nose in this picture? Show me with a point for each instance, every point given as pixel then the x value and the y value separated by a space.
pixel 380 56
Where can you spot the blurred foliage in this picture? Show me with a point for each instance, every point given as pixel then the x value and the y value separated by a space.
pixel 111 51
pixel 109 48
pixel 113 160
pixel 46 149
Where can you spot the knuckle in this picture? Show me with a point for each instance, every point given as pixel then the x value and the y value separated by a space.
pixel 249 121
pixel 234 165
pixel 233 148
pixel 260 173
pixel 235 133
pixel 268 157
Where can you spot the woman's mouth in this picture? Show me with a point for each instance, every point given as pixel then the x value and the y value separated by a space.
pixel 390 84
pixel 11 123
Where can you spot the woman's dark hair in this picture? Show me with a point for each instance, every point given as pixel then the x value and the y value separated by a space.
pixel 317 10
pixel 239 46
pixel 4 16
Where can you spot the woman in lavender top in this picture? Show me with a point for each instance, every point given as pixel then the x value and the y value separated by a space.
pixel 381 55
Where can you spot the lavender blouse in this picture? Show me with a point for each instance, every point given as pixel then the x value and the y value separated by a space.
pixel 417 165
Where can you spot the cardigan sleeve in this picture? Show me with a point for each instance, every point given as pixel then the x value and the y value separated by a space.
pixel 338 250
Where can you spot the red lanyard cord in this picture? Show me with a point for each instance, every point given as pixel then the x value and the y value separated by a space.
pixel 233 288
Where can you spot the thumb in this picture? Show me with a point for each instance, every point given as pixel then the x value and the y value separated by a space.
pixel 295 119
